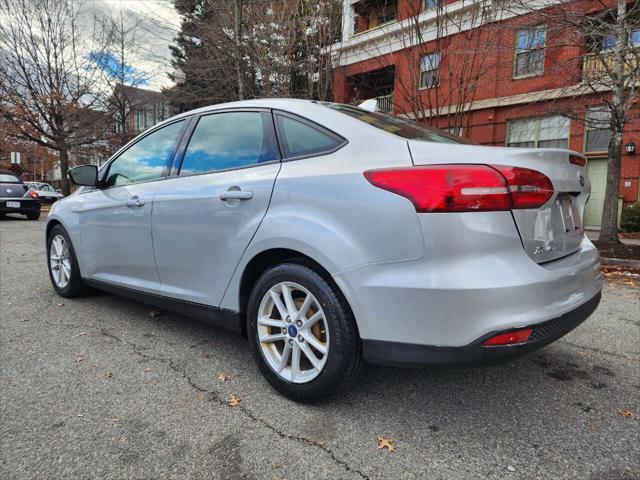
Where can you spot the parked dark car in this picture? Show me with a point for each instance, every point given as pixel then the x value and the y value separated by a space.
pixel 15 196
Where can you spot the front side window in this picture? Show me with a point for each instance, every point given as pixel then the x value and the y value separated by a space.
pixel 146 159
pixel 598 131
pixel 530 43
pixel 300 139
pixel 429 67
pixel 229 140
pixel 539 132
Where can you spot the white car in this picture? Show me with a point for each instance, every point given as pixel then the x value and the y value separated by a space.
pixel 46 192
pixel 329 235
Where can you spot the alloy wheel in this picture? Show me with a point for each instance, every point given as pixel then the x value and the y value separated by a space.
pixel 293 332
pixel 59 261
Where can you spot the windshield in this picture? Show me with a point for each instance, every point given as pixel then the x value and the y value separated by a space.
pixel 6 178
pixel 398 126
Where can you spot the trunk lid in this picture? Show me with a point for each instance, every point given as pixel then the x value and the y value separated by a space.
pixel 547 233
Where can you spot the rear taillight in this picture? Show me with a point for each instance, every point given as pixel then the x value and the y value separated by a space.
pixel 576 160
pixel 528 188
pixel 465 188
pixel 510 338
pixel 33 194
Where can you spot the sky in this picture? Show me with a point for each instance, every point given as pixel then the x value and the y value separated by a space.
pixel 158 23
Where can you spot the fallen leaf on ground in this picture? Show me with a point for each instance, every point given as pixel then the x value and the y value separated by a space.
pixel 82 334
pixel 61 304
pixel 79 357
pixel 108 375
pixel 386 443
pixel 81 415
pixel 115 421
pixel 205 355
pixel 146 370
pixel 511 468
pixel 200 396
pixel 233 401
pixel 154 313
pixel 625 413
pixel 124 440
pixel 315 443
pixel 223 376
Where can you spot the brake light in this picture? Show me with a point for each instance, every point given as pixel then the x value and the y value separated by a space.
pixel 528 188
pixel 33 194
pixel 576 160
pixel 509 338
pixel 465 188
pixel 445 188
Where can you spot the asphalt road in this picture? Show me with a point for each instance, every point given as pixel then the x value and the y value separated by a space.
pixel 99 388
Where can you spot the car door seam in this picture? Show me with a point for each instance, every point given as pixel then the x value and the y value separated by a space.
pixel 273 187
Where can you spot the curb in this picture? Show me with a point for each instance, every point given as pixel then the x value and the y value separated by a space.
pixel 619 262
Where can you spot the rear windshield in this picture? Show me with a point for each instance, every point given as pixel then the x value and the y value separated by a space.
pixel 398 126
pixel 7 178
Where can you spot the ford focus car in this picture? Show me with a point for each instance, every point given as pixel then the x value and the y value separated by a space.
pixel 329 235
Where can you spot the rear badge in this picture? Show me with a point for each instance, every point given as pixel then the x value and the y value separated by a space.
pixel 582 181
pixel 543 249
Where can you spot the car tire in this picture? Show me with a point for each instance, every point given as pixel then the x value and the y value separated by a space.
pixel 336 332
pixel 33 215
pixel 74 286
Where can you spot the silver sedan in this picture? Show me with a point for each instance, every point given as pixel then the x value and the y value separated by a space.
pixel 329 235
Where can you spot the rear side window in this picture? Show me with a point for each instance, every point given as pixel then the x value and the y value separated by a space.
pixel 222 141
pixel 301 139
pixel 7 178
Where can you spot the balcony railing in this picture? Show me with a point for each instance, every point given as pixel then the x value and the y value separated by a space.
pixel 385 103
pixel 598 65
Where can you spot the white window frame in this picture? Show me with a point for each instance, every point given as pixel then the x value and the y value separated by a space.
pixel 538 121
pixel 434 70
pixel 518 51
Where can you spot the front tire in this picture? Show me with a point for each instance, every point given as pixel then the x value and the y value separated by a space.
pixel 63 264
pixel 302 333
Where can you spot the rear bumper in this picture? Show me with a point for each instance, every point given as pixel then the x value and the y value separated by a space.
pixel 474 279
pixel 27 205
pixel 412 355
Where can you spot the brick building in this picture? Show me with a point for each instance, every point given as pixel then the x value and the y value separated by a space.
pixel 495 76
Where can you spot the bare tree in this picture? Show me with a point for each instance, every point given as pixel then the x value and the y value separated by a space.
pixel 46 84
pixel 605 37
pixel 115 66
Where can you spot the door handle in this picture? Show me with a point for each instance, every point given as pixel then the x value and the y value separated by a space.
pixel 134 201
pixel 236 195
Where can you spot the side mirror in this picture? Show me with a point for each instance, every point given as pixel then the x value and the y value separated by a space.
pixel 84 175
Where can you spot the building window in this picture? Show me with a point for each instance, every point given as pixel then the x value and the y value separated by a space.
pixel 530 43
pixel 539 132
pixel 431 4
pixel 429 66
pixel 597 128
pixel 373 13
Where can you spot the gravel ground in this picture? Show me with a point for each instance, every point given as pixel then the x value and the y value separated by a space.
pixel 99 388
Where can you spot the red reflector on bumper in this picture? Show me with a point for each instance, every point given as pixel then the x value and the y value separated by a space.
pixel 509 338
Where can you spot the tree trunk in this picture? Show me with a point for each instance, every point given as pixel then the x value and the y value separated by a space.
pixel 237 11
pixel 609 226
pixel 63 151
